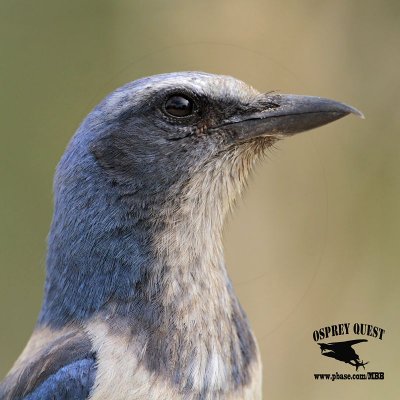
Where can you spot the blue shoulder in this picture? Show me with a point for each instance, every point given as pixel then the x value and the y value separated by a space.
pixel 62 367
pixel 72 382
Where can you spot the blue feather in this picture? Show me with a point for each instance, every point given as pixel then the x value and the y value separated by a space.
pixel 72 382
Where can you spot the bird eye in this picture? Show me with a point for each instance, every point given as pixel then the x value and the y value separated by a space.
pixel 179 106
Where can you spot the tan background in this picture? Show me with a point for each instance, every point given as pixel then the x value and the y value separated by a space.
pixel 315 240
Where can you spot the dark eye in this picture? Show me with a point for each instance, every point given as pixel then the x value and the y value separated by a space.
pixel 179 106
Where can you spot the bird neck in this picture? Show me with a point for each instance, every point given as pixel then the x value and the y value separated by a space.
pixel 101 254
pixel 113 242
pixel 156 271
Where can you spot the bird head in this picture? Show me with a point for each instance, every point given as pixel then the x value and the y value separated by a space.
pixel 168 138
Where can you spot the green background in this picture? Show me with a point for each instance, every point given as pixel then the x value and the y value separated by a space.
pixel 315 241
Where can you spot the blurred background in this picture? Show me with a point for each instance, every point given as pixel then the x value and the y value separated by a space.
pixel 314 241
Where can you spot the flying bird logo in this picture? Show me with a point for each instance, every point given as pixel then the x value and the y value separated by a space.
pixel 343 351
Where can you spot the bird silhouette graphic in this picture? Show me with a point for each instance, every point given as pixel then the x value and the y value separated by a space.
pixel 343 351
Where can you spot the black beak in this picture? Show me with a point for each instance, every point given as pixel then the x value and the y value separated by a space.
pixel 287 114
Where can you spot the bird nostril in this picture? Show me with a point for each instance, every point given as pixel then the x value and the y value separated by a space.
pixel 268 104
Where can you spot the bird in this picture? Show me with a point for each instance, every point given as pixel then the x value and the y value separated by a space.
pixel 343 351
pixel 137 302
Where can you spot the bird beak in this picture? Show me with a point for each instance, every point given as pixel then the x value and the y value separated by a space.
pixel 285 115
